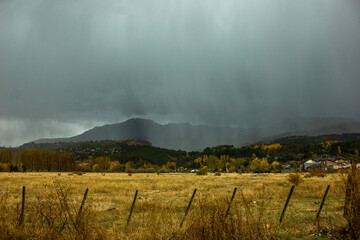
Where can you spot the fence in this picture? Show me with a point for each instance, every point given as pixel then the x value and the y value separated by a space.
pixel 317 217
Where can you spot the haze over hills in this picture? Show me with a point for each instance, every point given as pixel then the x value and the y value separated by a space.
pixel 197 137
pixel 172 136
pixel 67 66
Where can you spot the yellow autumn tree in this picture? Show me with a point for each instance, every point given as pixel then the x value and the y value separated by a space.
pixel 103 162
pixel 276 167
pixel 115 166
pixel 339 150
pixel 259 166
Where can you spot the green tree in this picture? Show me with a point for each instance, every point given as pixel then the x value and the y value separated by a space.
pixel 213 163
pixel 294 164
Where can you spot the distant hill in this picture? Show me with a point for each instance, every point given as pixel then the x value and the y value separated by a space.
pixel 197 137
pixel 314 139
pixel 171 136
pixel 317 127
pixel 65 146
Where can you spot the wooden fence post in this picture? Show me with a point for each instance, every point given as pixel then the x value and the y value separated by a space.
pixel 322 203
pixel 81 206
pixel 287 202
pixel 132 207
pixel 21 218
pixel 187 210
pixel 231 200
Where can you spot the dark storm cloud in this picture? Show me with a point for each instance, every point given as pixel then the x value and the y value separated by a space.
pixel 70 64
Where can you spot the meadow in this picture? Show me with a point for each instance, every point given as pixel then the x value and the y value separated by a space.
pixel 53 200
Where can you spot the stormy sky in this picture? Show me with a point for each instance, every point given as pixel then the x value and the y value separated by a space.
pixel 68 65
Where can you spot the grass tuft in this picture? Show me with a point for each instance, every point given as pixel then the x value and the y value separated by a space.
pixel 295 178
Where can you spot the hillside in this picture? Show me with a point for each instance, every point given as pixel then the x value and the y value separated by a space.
pixel 64 146
pixel 136 151
pixel 313 139
pixel 142 155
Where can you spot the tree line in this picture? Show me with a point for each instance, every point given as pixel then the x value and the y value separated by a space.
pixel 36 160
pixel 112 156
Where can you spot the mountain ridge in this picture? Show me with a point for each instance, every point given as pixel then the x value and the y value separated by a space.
pixel 190 137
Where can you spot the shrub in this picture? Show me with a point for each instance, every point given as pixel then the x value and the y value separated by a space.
pixel 4 167
pixel 78 173
pixel 164 170
pixel 232 169
pixel 96 168
pixel 13 168
pixel 295 178
pixel 140 170
pixel 315 172
pixel 202 171
pixel 151 170
pixel 83 167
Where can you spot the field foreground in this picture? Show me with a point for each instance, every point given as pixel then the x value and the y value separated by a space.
pixel 53 200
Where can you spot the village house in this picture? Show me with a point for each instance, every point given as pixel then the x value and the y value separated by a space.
pixel 324 163
pixel 286 168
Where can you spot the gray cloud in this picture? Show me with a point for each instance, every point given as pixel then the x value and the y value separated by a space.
pixel 76 63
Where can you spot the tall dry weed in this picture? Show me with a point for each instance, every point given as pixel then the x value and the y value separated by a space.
pixel 295 178
pixel 53 215
pixel 206 221
pixel 316 172
pixel 209 222
pixel 156 222
pixel 352 202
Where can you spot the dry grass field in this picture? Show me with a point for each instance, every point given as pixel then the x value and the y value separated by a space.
pixel 53 200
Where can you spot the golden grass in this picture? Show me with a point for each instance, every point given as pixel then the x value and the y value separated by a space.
pixel 163 198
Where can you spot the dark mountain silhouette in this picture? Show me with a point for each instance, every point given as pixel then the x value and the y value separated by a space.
pixel 172 136
pixel 197 137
